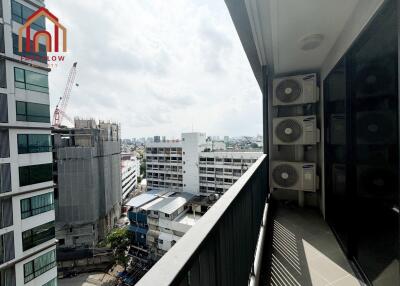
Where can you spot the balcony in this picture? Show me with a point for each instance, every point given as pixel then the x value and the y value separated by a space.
pixel 207 253
pixel 246 238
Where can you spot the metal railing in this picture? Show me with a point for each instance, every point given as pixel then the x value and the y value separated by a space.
pixel 219 249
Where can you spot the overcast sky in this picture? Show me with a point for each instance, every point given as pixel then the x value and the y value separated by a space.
pixel 158 67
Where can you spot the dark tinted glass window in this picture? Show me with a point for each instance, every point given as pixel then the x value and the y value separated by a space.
pixel 373 65
pixel 31 80
pixel 20 14
pixel 1 38
pixel 35 174
pixel 3 79
pixel 32 112
pixel 3 108
pixel 362 149
pixel 4 143
pixel 7 275
pixel 7 252
pixel 6 212
pixel 34 143
pixel 5 178
pixel 38 235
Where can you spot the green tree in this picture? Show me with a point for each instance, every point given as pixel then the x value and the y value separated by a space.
pixel 119 241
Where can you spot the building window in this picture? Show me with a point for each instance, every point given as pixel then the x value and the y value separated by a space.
pixel 36 205
pixel 41 56
pixel 34 143
pixel 5 178
pixel 3 80
pixel 20 14
pixel 2 50
pixel 7 275
pixel 3 108
pixel 33 112
pixel 6 213
pixel 7 252
pixel 31 80
pixel 52 282
pixel 35 174
pixel 38 235
pixel 4 143
pixel 39 265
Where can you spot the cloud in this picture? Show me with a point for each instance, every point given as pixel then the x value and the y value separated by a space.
pixel 158 67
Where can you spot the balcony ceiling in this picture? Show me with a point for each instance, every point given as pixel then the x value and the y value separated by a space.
pixel 280 25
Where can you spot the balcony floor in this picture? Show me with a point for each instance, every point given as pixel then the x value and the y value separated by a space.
pixel 303 251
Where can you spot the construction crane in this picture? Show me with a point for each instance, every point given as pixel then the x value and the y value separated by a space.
pixel 59 112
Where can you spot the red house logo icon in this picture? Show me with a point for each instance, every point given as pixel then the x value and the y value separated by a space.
pixel 42 34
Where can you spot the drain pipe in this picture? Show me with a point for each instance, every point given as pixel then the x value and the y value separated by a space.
pixel 256 268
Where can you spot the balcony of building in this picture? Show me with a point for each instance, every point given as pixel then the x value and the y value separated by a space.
pixel 344 230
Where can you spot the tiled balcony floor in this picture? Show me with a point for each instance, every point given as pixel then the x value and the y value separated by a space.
pixel 303 251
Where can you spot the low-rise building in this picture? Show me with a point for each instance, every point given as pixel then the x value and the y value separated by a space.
pixel 158 219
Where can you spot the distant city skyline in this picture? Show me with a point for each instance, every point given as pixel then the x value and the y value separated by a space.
pixel 161 75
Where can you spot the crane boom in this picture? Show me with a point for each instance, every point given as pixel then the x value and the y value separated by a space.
pixel 59 112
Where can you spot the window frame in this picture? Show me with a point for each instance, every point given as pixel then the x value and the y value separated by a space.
pixel 37 272
pixel 30 149
pixel 25 85
pixel 31 211
pixel 38 235
pixel 27 116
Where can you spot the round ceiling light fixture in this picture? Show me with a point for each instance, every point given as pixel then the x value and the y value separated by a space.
pixel 311 42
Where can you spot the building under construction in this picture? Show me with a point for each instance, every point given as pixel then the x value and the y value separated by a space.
pixel 87 173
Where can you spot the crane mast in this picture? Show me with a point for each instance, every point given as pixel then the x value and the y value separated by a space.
pixel 59 112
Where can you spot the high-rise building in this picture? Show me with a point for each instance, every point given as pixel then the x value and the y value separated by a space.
pixel 87 172
pixel 27 232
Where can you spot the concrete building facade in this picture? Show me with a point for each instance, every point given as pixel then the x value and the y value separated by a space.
pixel 221 169
pixel 27 232
pixel 158 219
pixel 130 172
pixel 164 165
pixel 195 165
pixel 88 177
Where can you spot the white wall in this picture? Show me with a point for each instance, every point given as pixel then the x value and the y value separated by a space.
pixel 191 146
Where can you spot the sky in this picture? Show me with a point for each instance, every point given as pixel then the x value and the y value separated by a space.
pixel 157 67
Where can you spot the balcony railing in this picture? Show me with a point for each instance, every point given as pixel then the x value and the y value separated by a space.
pixel 220 248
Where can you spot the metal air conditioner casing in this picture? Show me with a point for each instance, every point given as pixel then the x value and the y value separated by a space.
pixel 299 176
pixel 296 130
pixel 295 90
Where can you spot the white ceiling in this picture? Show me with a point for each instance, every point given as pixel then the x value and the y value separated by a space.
pixel 281 24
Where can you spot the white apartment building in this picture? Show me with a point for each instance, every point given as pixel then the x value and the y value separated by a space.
pixel 221 169
pixel 130 171
pixel 27 232
pixel 164 165
pixel 195 165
